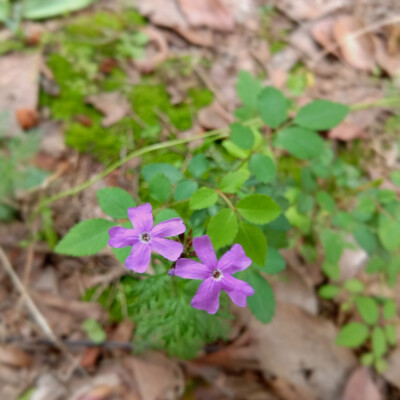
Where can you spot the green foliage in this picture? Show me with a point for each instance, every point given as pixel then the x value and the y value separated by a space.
pixel 86 238
pixel 242 136
pixel 203 198
pixel 233 181
pixel 94 330
pixel 115 202
pixel 253 241
pixel 39 9
pixel 321 115
pixel 368 308
pixel 258 208
pixel 160 188
pixel 226 218
pixel 262 167
pixel 248 89
pixel 353 334
pixel 185 189
pixel 273 107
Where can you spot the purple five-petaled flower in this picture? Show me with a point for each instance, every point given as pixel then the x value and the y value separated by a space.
pixel 144 237
pixel 216 275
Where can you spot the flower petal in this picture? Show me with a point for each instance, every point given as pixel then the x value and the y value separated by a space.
pixel 169 249
pixel 207 296
pixel 191 269
pixel 171 227
pixel 234 260
pixel 237 290
pixel 122 237
pixel 141 218
pixel 205 251
pixel 140 256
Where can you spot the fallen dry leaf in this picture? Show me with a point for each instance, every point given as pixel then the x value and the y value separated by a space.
pixel 98 388
pixel 300 349
pixel 392 373
pixel 352 260
pixel 356 48
pixel 210 13
pixel 322 32
pixel 48 387
pixel 347 131
pixel 90 356
pixel 19 84
pixel 387 61
pixel 113 105
pixel 214 116
pixel 360 386
pixel 14 357
pixel 157 377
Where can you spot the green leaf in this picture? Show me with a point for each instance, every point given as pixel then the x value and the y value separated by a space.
pixel 160 188
pixel 171 172
pixel 94 330
pixel 395 177
pixel 248 88
pixel 389 232
pixel 234 150
pixel 185 189
pixel 365 238
pixel 391 336
pixel 258 208
pixel 301 143
pixel 262 303
pixel 274 262
pixel 305 203
pixel 321 115
pixel 38 9
pixel 254 242
pixel 122 253
pixel 115 202
pixel 272 106
pixel 367 359
pixel 353 286
pixel 389 309
pixel 326 201
pixel 328 291
pixel 262 167
pixel 166 213
pixel 223 228
pixel 233 181
pixel 198 165
pixel 379 346
pixel 203 198
pixel 333 245
pixel 352 335
pixel 242 136
pixel 85 238
pixel 368 308
pixel 4 10
pixel 380 366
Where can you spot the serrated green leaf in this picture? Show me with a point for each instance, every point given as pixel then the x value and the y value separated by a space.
pixel 262 167
pixel 368 309
pixel 185 189
pixel 352 335
pixel 321 115
pixel 258 208
pixel 223 228
pixel 233 181
pixel 198 165
pixel 248 88
pixel 379 346
pixel 328 291
pixel 203 198
pixel 365 238
pixel 85 238
pixel 242 136
pixel 262 303
pixel 333 245
pixel 115 202
pixel 272 106
pixel 300 142
pixel 160 188
pixel 254 242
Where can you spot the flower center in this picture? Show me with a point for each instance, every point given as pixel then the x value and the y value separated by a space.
pixel 145 237
pixel 217 275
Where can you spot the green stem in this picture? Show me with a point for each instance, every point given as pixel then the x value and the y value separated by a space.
pixel 222 195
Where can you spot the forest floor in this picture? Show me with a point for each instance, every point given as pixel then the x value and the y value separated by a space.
pixel 175 53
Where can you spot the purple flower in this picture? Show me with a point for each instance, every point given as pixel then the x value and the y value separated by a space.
pixel 144 237
pixel 216 275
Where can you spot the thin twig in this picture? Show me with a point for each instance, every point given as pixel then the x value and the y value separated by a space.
pixel 36 314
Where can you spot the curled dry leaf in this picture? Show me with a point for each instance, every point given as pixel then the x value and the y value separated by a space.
pixel 113 105
pixel 210 13
pixel 347 131
pixel 387 61
pixel 360 386
pixel 322 32
pixel 356 46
